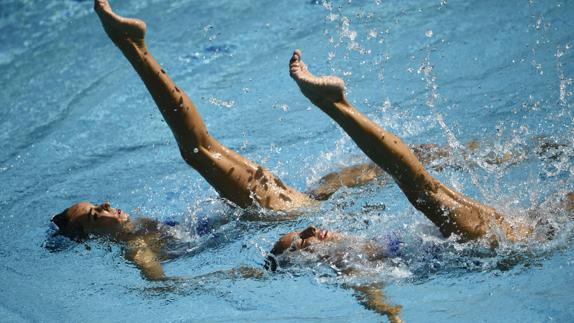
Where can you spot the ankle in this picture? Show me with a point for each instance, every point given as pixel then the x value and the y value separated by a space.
pixel 132 47
pixel 341 108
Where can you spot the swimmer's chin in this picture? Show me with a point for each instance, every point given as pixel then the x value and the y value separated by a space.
pixel 126 227
pixel 125 218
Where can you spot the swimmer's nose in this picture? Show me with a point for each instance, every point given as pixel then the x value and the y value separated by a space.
pixel 106 206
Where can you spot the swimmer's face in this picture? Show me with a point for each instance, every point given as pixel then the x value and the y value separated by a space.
pixel 97 219
pixel 301 239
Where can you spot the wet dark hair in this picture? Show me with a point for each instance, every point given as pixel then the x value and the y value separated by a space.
pixel 270 263
pixel 65 227
pixel 56 240
pixel 61 220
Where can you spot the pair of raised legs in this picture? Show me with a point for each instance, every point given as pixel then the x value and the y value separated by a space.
pixel 246 183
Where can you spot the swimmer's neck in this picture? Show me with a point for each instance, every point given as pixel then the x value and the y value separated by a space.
pixel 136 228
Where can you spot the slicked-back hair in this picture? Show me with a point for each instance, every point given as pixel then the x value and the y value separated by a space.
pixel 61 220
pixel 66 228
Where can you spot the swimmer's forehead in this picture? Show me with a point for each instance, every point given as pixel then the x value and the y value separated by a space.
pixel 79 209
pixel 289 236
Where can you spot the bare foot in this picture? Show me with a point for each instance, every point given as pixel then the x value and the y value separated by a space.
pixel 321 90
pixel 121 30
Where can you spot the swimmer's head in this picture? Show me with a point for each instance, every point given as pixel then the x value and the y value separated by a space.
pixel 297 240
pixel 83 219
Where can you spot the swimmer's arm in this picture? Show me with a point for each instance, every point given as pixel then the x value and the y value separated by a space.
pixel 147 262
pixel 372 298
pixel 349 177
pixel 150 267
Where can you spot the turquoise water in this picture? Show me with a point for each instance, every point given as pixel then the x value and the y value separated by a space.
pixel 77 124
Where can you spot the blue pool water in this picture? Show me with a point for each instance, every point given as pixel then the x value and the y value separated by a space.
pixel 77 124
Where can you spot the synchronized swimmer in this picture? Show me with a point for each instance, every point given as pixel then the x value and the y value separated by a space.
pixel 245 183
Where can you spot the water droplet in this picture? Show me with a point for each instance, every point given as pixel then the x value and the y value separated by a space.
pixel 221 103
pixel 283 107
pixel 428 33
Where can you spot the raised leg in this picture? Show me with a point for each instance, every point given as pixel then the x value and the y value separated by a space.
pixel 451 211
pixel 360 174
pixel 236 178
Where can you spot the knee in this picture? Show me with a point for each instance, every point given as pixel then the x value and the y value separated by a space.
pixel 191 157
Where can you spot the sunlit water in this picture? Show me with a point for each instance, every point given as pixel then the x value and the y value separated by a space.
pixel 77 124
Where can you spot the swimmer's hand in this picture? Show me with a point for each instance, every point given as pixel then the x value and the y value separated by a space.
pixel 372 298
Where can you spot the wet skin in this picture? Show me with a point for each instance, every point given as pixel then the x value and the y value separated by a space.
pixel 369 295
pixel 451 211
pixel 236 178
pixel 141 237
pixel 246 183
pixel 297 240
pixel 100 220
